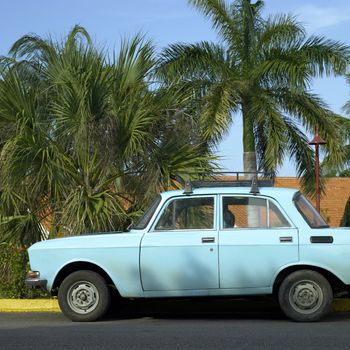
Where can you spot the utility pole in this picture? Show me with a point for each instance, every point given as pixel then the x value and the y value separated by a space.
pixel 317 141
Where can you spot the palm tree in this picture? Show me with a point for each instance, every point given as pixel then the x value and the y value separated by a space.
pixel 344 168
pixel 262 69
pixel 341 169
pixel 88 136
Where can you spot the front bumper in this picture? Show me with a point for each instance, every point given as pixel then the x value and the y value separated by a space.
pixel 33 281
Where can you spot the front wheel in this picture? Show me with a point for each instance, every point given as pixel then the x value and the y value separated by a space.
pixel 84 296
pixel 305 296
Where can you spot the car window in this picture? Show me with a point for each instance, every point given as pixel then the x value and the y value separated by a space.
pixel 187 213
pixel 146 217
pixel 251 212
pixel 276 218
pixel 308 212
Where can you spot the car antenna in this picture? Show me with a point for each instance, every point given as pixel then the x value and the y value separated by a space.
pixel 188 187
pixel 254 188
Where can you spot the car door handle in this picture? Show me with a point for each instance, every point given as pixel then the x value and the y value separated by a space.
pixel 286 239
pixel 208 239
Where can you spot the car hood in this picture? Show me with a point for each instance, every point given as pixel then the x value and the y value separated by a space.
pixel 103 239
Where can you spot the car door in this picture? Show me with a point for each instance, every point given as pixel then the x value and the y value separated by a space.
pixel 180 252
pixel 255 240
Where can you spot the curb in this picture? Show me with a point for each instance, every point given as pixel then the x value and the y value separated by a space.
pixel 51 305
pixel 341 305
pixel 29 305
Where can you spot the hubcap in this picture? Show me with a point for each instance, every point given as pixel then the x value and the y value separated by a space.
pixel 306 297
pixel 83 297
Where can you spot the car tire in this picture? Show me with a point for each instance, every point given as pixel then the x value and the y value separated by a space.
pixel 84 296
pixel 305 296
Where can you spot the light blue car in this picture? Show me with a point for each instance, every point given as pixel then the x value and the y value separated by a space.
pixel 207 241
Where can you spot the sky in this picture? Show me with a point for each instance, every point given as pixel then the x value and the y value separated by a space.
pixel 170 21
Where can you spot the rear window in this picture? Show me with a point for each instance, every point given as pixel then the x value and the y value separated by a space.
pixel 308 212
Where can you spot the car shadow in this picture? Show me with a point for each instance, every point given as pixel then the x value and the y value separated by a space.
pixel 199 308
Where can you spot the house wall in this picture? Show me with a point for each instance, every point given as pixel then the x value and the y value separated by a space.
pixel 332 202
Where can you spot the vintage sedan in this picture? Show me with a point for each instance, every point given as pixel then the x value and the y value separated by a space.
pixel 211 241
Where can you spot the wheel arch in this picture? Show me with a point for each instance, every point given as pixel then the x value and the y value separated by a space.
pixel 77 266
pixel 336 283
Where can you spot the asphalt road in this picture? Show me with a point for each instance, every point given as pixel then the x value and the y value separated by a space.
pixel 176 325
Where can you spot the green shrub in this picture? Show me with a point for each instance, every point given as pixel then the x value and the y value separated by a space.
pixel 14 267
pixel 345 221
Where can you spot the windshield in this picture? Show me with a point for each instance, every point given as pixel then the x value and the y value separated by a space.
pixel 309 213
pixel 146 217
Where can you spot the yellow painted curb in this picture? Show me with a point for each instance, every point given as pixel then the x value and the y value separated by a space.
pixel 341 305
pixel 29 305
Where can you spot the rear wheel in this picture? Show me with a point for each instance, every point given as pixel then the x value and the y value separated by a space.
pixel 305 296
pixel 84 296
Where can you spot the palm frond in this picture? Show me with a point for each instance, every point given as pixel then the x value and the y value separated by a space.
pixel 218 104
pixel 270 133
pixel 219 13
pixel 324 57
pixel 280 31
pixel 195 61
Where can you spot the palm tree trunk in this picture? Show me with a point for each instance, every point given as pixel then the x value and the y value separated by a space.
pixel 249 161
pixel 249 155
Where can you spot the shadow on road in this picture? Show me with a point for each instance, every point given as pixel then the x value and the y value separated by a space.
pixel 252 308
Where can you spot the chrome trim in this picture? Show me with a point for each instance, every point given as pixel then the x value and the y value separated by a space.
pixel 286 239
pixel 208 239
